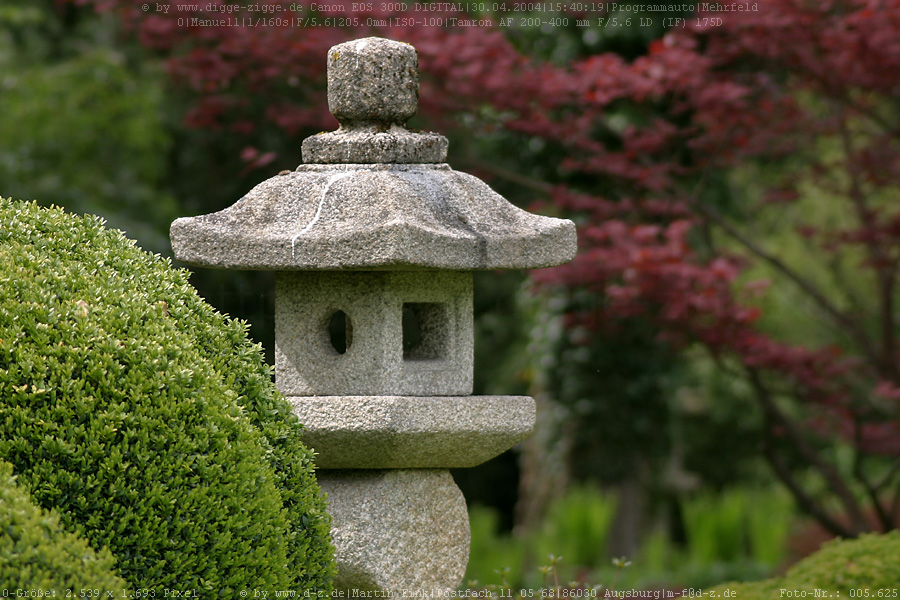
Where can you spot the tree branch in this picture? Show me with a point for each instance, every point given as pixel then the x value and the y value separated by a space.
pixel 805 501
pixel 841 319
pixel 886 521
pixel 831 476
pixel 895 505
pixel 517 178
pixel 839 277
pixel 889 476
pixel 891 128
pixel 885 268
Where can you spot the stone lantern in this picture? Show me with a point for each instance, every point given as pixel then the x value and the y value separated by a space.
pixel 374 240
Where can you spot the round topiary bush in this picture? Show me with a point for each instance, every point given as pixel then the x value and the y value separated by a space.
pixel 148 420
pixel 870 562
pixel 841 567
pixel 37 554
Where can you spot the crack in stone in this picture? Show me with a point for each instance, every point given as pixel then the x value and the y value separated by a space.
pixel 331 180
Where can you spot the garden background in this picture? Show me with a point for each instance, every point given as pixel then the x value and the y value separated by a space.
pixel 717 373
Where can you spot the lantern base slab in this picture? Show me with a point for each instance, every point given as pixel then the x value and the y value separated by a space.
pixel 412 432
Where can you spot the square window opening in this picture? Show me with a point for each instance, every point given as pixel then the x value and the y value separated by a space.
pixel 426 331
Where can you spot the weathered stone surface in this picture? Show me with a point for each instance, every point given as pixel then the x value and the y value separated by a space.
pixel 374 363
pixel 397 530
pixel 377 197
pixel 373 88
pixel 398 432
pixel 373 81
pixel 373 217
pixel 395 145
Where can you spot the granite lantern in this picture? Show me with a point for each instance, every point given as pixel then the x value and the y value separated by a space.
pixel 374 240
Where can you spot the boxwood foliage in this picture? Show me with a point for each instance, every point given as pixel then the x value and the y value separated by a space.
pixel 868 566
pixel 146 418
pixel 36 553
pixel 870 562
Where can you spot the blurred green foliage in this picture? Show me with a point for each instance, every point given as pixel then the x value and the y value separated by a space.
pixel 83 126
pixel 739 533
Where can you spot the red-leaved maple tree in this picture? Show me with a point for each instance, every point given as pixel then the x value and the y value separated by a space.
pixel 806 89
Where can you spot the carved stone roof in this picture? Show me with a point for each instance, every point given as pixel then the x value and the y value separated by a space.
pixel 373 195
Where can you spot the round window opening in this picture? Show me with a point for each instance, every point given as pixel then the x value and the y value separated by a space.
pixel 340 332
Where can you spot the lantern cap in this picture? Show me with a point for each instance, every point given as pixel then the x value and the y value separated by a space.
pixel 373 89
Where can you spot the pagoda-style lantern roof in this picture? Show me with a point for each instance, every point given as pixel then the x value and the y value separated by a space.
pixel 372 195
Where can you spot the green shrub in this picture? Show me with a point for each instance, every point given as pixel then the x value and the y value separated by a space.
pixel 840 568
pixel 870 562
pixel 146 418
pixel 37 554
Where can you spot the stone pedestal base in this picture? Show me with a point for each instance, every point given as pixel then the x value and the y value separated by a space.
pixel 397 530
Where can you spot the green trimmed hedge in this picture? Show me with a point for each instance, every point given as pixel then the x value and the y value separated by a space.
pixel 148 420
pixel 840 568
pixel 37 554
